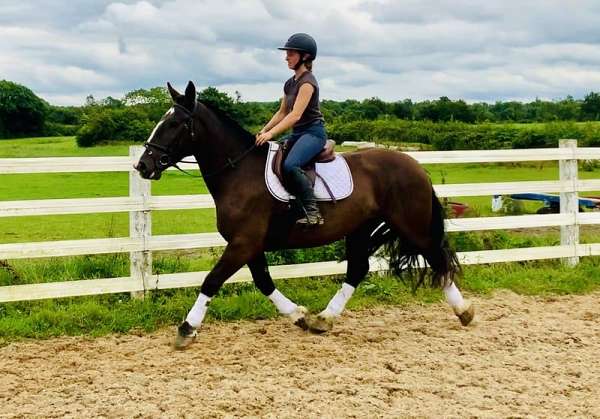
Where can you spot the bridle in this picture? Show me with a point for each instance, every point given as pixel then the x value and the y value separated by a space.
pixel 166 159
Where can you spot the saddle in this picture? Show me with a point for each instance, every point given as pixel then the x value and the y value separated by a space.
pixel 333 179
pixel 326 155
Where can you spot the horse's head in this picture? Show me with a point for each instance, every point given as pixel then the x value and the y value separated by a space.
pixel 172 138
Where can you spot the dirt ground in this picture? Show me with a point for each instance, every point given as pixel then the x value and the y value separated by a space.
pixel 523 356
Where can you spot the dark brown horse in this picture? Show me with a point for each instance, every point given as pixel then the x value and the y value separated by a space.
pixel 393 204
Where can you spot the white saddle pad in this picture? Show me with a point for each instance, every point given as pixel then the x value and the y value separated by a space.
pixel 336 173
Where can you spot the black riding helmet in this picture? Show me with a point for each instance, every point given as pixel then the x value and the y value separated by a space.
pixel 301 42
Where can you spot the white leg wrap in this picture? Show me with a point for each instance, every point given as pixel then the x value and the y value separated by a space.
pixel 339 300
pixel 198 311
pixel 283 304
pixel 453 296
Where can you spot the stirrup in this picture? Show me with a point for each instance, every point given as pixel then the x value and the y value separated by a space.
pixel 312 218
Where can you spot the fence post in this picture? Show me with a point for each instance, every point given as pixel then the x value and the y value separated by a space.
pixel 569 201
pixel 140 225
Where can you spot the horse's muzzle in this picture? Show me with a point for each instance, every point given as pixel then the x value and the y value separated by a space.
pixel 145 172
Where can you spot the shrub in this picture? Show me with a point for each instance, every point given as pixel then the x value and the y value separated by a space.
pixel 53 129
pixel 21 111
pixel 114 124
pixel 333 251
pixel 97 128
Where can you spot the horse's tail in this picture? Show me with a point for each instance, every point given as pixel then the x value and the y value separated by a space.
pixel 444 261
pixel 404 257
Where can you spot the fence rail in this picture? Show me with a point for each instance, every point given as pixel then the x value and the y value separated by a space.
pixel 140 243
pixel 123 164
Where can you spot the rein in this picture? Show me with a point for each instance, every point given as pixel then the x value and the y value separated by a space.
pixel 231 163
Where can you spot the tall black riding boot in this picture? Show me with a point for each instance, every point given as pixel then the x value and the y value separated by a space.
pixel 300 186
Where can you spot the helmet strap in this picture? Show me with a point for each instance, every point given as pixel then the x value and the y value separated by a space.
pixel 300 62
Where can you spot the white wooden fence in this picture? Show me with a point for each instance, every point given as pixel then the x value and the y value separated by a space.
pixel 141 242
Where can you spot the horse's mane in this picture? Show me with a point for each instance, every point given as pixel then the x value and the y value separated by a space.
pixel 229 122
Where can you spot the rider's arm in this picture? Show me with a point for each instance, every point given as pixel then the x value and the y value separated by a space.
pixel 304 94
pixel 277 117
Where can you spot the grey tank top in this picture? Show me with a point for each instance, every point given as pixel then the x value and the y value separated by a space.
pixel 312 113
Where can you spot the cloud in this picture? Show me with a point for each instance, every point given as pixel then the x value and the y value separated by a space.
pixel 392 49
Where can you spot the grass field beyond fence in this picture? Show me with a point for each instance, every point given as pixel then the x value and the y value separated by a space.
pixel 88 185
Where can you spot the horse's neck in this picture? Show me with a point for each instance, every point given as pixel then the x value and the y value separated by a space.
pixel 218 148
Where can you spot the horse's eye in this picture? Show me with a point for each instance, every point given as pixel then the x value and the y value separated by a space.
pixel 149 152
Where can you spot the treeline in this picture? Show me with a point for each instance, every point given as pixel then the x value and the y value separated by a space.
pixel 463 136
pixel 22 114
pixel 446 110
pixel 442 123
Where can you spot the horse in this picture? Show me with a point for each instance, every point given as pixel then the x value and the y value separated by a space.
pixel 393 205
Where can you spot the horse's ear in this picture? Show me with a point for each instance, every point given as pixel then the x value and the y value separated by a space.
pixel 190 96
pixel 174 93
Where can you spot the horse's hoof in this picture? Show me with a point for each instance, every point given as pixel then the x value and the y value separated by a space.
pixel 186 334
pixel 465 313
pixel 298 317
pixel 319 323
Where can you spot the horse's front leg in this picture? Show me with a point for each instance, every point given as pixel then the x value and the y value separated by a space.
pixel 263 281
pixel 236 254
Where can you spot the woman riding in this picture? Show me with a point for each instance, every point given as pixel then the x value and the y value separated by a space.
pixel 299 110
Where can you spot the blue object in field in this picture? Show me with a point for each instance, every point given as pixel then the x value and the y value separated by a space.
pixel 554 200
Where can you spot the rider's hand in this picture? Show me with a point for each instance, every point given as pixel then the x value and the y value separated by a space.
pixel 263 137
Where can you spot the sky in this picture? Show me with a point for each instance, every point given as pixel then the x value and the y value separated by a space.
pixel 475 50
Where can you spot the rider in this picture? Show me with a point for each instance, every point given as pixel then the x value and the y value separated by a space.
pixel 299 110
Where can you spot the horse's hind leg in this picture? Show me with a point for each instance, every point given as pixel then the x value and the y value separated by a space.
pixel 263 281
pixel 357 256
pixel 463 308
pixel 425 235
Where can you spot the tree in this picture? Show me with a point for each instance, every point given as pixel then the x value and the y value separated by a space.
pixel 154 101
pixel 460 111
pixel 153 96
pixel 374 107
pixel 90 101
pixel 219 100
pixel 508 111
pixel 403 109
pixel 21 111
pixel 111 102
pixel 482 112
pixel 70 115
pixel 590 108
pixel 446 110
pixel 569 109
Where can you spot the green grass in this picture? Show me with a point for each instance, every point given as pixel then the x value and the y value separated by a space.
pixel 57 147
pixel 44 270
pixel 534 278
pixel 88 185
pixel 118 313
pixel 95 185
pixel 90 226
